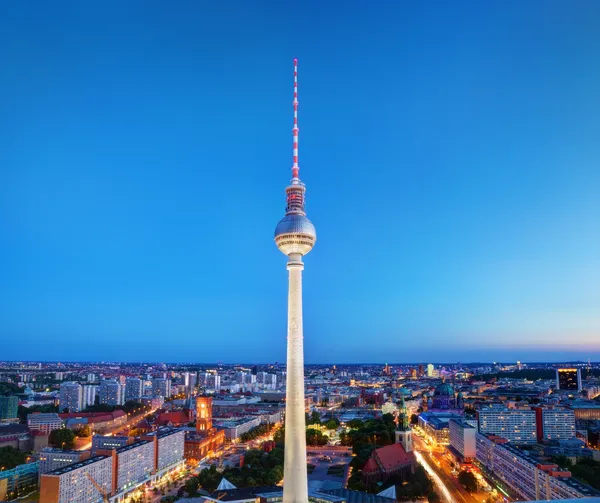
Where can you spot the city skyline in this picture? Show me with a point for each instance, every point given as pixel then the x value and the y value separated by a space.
pixel 453 177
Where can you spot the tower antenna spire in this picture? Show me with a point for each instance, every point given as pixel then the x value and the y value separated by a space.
pixel 295 167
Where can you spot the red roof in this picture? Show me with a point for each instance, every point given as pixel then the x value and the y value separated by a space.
pixel 370 466
pixel 177 417
pixel 391 456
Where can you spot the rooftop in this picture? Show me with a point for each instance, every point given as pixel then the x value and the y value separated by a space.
pixel 76 466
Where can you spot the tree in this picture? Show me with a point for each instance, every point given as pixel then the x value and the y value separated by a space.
pixel 332 424
pixel 315 418
pixel 11 457
pixel 315 437
pixel 355 424
pixel 63 438
pixel 468 481
pixel 191 486
pixel 414 420
pixel 433 497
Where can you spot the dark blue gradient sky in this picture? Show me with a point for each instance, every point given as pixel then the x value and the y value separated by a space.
pixel 450 149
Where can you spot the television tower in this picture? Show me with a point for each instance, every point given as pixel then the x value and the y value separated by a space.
pixel 295 236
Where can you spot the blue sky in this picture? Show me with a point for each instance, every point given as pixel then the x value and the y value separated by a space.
pixel 450 152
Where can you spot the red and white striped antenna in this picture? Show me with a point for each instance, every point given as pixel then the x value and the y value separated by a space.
pixel 295 167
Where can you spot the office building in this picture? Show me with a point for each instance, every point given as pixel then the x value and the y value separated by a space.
pixel 71 397
pixel 568 379
pixel 110 392
pixel 295 236
pixel 530 477
pixel 430 370
pixel 554 423
pixel 44 422
pixel 461 435
pixel 161 387
pixel 515 425
pixel 9 406
pixel 134 388
pixel 52 459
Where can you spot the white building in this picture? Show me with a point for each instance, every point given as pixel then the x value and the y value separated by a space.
pixel 517 426
pixel 462 438
pixel 526 475
pixel 71 397
pixel 71 484
pixel 170 447
pixel 44 422
pixel 89 395
pixel 430 370
pixel 555 423
pixel 136 464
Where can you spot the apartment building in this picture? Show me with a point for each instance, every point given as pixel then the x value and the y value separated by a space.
pixel 521 471
pixel 72 483
pixel 515 425
pixel 554 423
pixel 53 459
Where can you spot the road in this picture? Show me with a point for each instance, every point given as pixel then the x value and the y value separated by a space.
pixel 435 459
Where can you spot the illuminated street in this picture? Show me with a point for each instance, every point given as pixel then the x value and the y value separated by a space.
pixel 439 469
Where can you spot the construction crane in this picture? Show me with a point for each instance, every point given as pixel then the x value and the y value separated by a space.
pixel 105 494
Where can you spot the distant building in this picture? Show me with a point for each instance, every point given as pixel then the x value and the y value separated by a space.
pixel 430 370
pixel 9 406
pixel 462 439
pixel 515 425
pixel 134 388
pixel 89 395
pixel 568 379
pixel 71 397
pixel 110 392
pixel 554 423
pixel 44 422
pixel 234 428
pixel 161 387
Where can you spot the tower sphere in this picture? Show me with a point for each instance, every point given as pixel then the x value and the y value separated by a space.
pixel 295 234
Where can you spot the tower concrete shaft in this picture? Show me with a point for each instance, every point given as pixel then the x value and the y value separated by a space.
pixel 295 236
pixel 295 484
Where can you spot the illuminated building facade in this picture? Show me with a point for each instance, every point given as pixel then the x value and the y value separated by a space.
pixel 517 426
pixel 531 478
pixel 203 414
pixel 568 379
